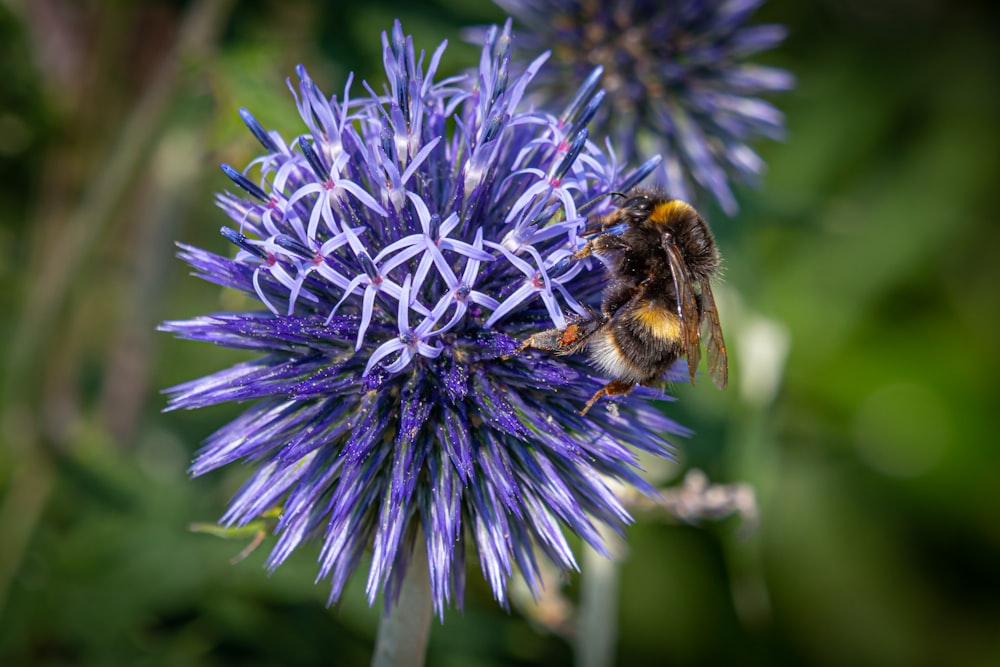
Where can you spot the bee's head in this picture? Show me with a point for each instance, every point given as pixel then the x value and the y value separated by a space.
pixel 637 206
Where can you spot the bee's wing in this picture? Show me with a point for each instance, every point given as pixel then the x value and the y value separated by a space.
pixel 687 308
pixel 715 344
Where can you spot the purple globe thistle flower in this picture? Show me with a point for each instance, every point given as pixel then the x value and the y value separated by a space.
pixel 400 248
pixel 677 77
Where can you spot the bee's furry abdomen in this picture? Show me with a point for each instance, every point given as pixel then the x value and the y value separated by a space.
pixel 658 321
pixel 608 355
pixel 640 345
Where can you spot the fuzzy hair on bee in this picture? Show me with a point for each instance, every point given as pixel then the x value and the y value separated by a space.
pixel 658 306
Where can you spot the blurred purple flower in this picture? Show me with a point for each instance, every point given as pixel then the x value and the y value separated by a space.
pixel 677 77
pixel 400 248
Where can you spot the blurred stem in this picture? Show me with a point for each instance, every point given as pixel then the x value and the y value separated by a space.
pixel 65 254
pixel 123 392
pixel 403 632
pixel 23 416
pixel 22 505
pixel 597 628
pixel 763 346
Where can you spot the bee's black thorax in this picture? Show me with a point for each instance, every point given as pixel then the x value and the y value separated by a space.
pixel 658 215
pixel 649 217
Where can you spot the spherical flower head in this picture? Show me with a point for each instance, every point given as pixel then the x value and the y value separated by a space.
pixel 400 247
pixel 677 77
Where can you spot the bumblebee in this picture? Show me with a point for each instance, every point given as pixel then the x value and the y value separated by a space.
pixel 658 303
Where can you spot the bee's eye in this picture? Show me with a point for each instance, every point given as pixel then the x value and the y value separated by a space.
pixel 638 204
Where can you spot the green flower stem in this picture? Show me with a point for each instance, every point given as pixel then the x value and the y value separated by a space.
pixel 597 635
pixel 403 632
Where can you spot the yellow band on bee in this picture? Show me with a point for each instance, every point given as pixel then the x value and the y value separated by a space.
pixel 659 321
pixel 662 213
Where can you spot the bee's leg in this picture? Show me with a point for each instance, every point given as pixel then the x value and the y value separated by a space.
pixel 564 341
pixel 613 388
pixel 619 293
pixel 550 340
pixel 603 244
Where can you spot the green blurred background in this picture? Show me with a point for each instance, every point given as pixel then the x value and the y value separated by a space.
pixel 862 304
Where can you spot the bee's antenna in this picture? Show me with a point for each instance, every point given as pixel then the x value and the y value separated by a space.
pixel 598 198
